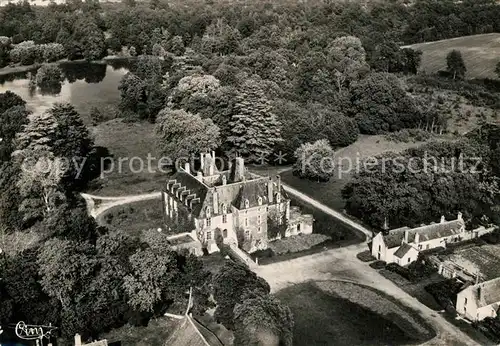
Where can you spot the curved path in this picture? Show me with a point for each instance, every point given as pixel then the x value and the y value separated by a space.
pixel 329 211
pixel 110 202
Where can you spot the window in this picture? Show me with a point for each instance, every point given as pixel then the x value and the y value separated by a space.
pixel 259 220
pixel 247 203
pixel 207 211
pixel 379 248
pixel 420 246
pixel 209 222
pixel 246 222
pixel 224 218
pixel 247 234
pixel 278 198
pixel 224 233
pixel 465 301
pixel 224 209
pixel 409 260
pixel 209 235
pixel 260 229
pixel 259 200
pixel 298 227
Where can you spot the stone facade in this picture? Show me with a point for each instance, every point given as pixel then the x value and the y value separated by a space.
pixel 232 206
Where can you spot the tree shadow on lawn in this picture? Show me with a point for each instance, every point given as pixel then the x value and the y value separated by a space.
pixel 326 319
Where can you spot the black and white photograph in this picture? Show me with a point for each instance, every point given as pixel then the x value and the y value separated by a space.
pixel 249 172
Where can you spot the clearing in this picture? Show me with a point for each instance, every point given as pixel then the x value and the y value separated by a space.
pixel 348 161
pixel 319 319
pixel 481 53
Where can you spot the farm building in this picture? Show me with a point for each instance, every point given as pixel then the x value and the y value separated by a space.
pixel 403 245
pixel 476 302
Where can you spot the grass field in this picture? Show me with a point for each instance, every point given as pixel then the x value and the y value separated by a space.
pixel 481 53
pixel 329 193
pixel 129 145
pixel 320 317
pixel 134 217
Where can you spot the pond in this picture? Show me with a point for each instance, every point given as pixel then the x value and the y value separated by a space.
pixel 85 85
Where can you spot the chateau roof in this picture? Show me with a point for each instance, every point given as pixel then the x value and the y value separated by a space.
pixel 402 251
pixel 251 191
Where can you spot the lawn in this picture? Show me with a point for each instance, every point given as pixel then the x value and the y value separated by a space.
pixel 481 53
pixel 135 217
pixel 321 318
pixel 128 170
pixel 348 161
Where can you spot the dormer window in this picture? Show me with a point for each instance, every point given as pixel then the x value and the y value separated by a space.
pixel 278 198
pixel 224 180
pixel 208 211
pixel 247 204
pixel 224 209
pixel 259 200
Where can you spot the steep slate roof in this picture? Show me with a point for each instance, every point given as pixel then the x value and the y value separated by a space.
pixel 488 292
pixel 395 237
pixel 194 186
pixel 251 190
pixel 402 251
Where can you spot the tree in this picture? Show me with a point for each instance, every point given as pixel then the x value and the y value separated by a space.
pixel 347 59
pixel 132 92
pixel 314 161
pixel 380 104
pixel 11 121
pixel 263 320
pixel 65 268
pixel 9 99
pixel 456 65
pixel 49 78
pixel 231 286
pixel 181 134
pixel 254 127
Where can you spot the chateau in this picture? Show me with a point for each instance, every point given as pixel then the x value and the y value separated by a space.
pixel 233 206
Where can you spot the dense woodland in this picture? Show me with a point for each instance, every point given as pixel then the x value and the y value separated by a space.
pixel 253 80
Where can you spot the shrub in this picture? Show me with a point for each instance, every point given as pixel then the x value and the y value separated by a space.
pixel 378 265
pixel 445 292
pixel 52 52
pixel 365 256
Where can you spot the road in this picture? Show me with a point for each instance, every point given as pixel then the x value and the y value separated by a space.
pixel 110 202
pixel 342 264
pixel 328 210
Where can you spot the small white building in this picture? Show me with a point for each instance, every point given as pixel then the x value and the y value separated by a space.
pixel 403 245
pixel 476 302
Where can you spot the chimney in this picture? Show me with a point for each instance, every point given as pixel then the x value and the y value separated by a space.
pixel 278 183
pixel 202 161
pixel 186 168
pixel 239 169
pixel 417 238
pixel 459 217
pixel 216 201
pixel 199 176
pixel 270 192
pixel 406 237
pixel 78 340
pixel 443 219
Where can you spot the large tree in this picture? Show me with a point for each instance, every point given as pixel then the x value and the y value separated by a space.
pixel 314 161
pixel 232 285
pixel 347 60
pixel 181 134
pixel 456 65
pixel 255 130
pixel 380 104
pixel 263 320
